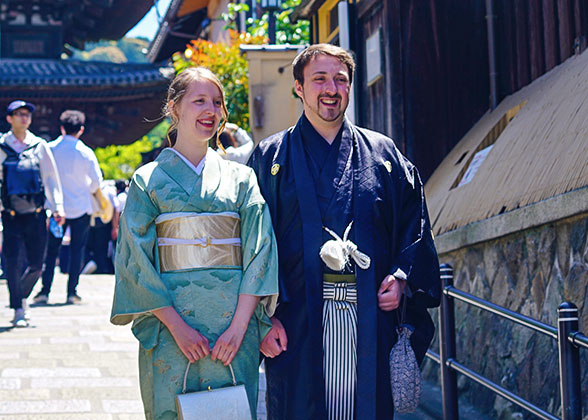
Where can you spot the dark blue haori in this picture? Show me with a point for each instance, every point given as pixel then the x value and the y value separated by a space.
pixel 308 184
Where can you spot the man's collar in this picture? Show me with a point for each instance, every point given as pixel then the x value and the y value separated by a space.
pixel 11 139
pixel 307 127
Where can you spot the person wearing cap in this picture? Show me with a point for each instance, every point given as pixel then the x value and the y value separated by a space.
pixel 80 177
pixel 27 226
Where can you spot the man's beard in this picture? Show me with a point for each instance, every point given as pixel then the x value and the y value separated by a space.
pixel 330 111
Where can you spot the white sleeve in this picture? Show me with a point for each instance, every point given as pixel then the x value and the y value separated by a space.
pixel 94 173
pixel 50 177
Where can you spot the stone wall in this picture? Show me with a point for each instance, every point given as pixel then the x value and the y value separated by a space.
pixel 531 272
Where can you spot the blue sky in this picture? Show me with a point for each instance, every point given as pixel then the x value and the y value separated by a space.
pixel 147 27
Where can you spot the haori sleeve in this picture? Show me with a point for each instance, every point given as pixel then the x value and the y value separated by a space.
pixel 139 288
pixel 259 249
pixel 417 261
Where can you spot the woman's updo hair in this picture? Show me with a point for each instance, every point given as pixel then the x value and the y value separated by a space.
pixel 177 90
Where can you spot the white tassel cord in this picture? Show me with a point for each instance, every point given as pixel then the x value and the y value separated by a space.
pixel 335 253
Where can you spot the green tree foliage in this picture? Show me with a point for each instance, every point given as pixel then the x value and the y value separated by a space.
pixel 226 61
pixel 119 162
pixel 109 53
pixel 286 32
pixel 125 50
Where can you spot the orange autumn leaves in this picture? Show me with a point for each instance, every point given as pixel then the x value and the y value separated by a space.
pixel 226 61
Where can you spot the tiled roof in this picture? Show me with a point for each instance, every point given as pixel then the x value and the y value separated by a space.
pixel 80 77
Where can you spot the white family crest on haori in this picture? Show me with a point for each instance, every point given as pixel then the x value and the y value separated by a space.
pixel 336 252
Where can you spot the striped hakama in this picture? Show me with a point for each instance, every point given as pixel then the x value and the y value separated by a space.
pixel 340 349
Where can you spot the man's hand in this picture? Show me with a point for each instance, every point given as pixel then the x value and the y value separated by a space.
pixel 390 293
pixel 275 341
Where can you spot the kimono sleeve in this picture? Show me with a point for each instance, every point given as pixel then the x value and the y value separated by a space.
pixel 417 261
pixel 259 248
pixel 139 288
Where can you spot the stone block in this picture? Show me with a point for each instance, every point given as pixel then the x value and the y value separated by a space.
pixel 51 373
pixel 60 416
pixel 81 382
pixel 76 340
pixel 25 394
pixel 10 383
pixel 24 342
pixel 122 406
pixel 115 347
pixel 45 406
pixel 137 417
pixel 576 284
pixel 114 390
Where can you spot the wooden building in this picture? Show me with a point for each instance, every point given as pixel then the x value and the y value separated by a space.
pixel 509 209
pixel 490 99
pixel 424 66
pixel 184 21
pixel 122 102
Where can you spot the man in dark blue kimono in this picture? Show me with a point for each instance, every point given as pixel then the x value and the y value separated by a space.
pixel 353 237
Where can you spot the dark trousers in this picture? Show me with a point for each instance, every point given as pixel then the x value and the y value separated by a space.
pixel 29 230
pixel 97 249
pixel 79 228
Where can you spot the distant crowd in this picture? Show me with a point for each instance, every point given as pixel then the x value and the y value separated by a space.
pixel 56 208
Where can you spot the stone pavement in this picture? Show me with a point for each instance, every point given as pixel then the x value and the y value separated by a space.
pixel 71 363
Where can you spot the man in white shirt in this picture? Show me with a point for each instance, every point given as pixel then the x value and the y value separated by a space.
pixel 30 184
pixel 80 178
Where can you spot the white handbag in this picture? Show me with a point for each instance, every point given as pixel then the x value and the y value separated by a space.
pixel 228 403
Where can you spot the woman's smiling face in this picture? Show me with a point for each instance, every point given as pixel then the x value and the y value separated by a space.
pixel 200 111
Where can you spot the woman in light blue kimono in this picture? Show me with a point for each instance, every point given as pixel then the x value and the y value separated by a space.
pixel 196 262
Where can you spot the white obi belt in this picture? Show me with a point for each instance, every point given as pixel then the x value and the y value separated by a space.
pixel 187 240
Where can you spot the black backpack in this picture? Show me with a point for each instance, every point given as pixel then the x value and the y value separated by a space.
pixel 22 185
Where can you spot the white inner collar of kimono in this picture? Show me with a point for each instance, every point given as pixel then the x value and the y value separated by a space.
pixel 198 169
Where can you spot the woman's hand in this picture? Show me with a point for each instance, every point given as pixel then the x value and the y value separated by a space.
pixel 228 344
pixel 193 344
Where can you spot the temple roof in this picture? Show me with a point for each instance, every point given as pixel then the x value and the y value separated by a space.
pixel 122 102
pixel 40 78
pixel 82 21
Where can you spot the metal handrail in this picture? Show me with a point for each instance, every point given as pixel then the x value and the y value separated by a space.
pixel 433 356
pixel 569 340
pixel 503 392
pixel 501 311
pixel 578 339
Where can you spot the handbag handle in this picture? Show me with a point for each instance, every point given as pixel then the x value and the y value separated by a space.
pixel 188 368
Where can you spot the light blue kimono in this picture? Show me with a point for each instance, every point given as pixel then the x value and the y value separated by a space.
pixel 205 298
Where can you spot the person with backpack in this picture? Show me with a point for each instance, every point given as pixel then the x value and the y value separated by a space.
pixel 30 184
pixel 80 177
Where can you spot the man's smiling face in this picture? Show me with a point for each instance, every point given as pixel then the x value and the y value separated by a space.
pixel 325 90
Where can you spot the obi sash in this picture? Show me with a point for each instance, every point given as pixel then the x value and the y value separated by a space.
pixel 187 240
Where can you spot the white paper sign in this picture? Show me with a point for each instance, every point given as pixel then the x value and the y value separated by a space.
pixel 474 165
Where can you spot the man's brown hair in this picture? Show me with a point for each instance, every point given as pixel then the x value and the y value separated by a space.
pixel 311 52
